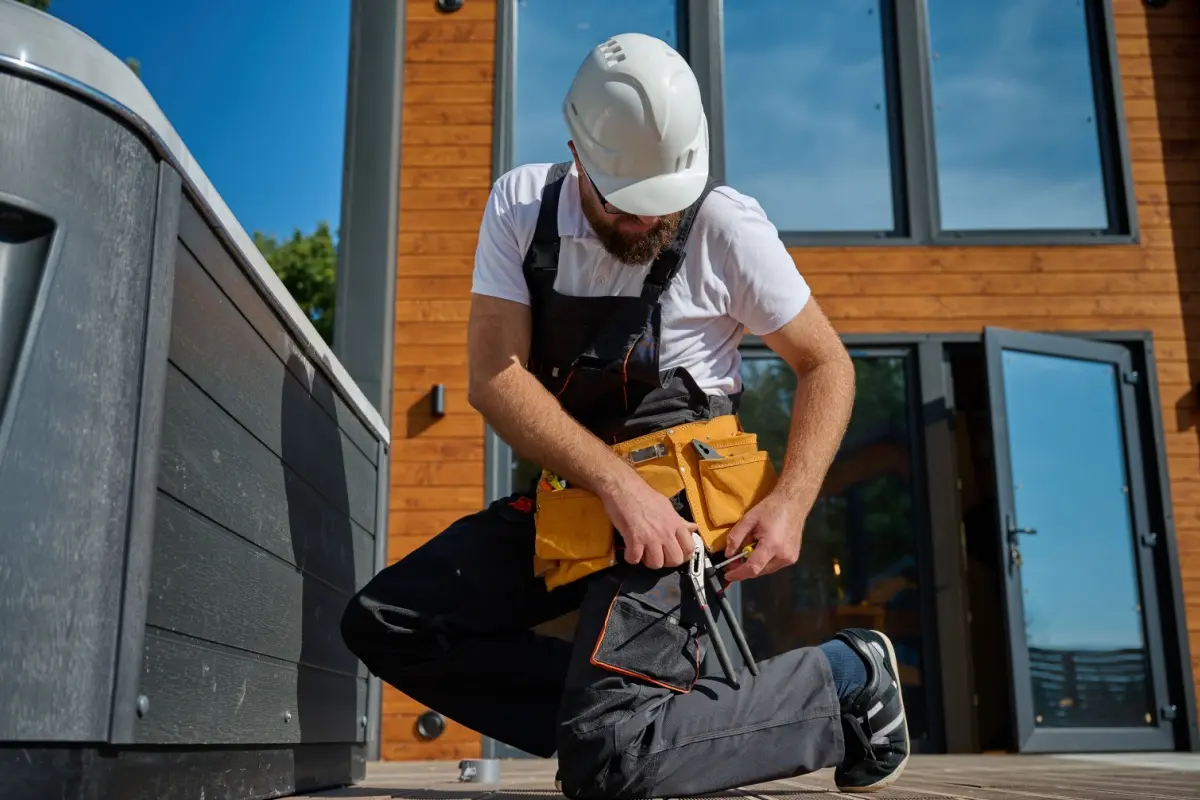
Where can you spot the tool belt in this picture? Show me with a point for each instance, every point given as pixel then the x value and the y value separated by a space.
pixel 574 537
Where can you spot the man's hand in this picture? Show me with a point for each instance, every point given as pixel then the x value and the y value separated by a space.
pixel 775 527
pixel 654 533
pixel 820 413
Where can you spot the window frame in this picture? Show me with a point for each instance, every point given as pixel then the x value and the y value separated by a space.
pixel 909 93
pixel 934 663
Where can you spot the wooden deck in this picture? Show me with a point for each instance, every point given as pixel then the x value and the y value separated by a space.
pixel 1159 776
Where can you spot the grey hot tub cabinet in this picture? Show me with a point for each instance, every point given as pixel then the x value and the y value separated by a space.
pixel 191 486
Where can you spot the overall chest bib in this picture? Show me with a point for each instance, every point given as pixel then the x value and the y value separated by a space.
pixel 600 356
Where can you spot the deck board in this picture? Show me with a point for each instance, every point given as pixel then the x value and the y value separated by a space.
pixel 1168 776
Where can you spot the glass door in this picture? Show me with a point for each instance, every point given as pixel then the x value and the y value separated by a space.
pixel 862 558
pixel 1082 615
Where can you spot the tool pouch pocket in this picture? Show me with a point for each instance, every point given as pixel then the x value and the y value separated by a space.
pixel 571 525
pixel 651 630
pixel 731 486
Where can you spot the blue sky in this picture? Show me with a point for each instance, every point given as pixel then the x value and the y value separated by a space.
pixel 256 89
pixel 806 109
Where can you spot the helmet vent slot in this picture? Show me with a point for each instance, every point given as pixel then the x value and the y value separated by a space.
pixel 613 52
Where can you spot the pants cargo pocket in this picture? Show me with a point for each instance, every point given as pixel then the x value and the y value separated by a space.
pixel 729 487
pixel 651 632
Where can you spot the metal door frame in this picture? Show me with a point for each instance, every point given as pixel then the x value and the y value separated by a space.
pixel 1029 738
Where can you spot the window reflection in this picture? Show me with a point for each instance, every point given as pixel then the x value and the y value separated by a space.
pixel 1015 118
pixel 806 113
pixel 858 562
pixel 551 41
pixel 1082 606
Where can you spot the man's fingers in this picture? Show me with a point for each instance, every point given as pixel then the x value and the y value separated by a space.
pixel 754 564
pixel 654 557
pixel 775 565
pixel 733 539
pixel 673 554
pixel 633 552
pixel 686 543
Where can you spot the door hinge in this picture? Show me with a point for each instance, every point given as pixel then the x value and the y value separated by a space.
pixel 1130 377
pixel 1150 539
pixel 1167 713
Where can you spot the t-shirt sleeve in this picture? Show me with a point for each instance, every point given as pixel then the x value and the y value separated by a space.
pixel 499 254
pixel 766 290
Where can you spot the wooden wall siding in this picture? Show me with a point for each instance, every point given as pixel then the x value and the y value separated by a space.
pixel 445 175
pixel 437 469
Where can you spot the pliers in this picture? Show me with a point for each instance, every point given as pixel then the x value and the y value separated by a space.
pixel 701 571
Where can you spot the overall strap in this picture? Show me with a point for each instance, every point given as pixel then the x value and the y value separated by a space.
pixel 541 259
pixel 667 265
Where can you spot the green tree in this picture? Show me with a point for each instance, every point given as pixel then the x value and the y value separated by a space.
pixel 307 266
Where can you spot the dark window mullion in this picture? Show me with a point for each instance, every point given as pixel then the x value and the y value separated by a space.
pixel 915 102
pixel 1105 78
pixel 894 97
pixel 703 36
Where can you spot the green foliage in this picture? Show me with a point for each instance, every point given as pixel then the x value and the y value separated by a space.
pixel 307 265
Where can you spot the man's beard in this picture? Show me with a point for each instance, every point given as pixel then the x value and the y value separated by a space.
pixel 631 248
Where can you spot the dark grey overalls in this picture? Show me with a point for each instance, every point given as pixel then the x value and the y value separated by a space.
pixel 450 624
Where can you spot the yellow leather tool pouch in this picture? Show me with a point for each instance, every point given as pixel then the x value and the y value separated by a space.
pixel 574 536
pixel 733 485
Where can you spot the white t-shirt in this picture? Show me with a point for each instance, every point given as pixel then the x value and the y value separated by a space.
pixel 736 276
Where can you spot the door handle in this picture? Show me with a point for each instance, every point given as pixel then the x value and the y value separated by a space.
pixel 1014 552
pixel 1013 530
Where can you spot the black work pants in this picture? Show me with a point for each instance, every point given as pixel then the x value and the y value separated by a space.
pixel 450 626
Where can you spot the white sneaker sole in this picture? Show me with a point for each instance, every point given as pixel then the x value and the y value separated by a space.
pixel 891 777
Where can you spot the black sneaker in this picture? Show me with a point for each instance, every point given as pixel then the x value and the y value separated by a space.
pixel 873 721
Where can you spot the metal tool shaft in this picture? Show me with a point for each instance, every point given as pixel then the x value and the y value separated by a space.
pixel 735 627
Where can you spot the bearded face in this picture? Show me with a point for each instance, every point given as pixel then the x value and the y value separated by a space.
pixel 629 238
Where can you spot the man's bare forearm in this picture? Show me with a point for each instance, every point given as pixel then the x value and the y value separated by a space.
pixel 820 414
pixel 535 425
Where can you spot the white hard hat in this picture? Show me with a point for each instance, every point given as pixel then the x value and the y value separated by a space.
pixel 635 115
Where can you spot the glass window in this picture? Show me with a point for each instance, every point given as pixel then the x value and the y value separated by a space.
pixel 552 39
pixel 806 113
pixel 858 562
pixel 1015 117
pixel 1089 665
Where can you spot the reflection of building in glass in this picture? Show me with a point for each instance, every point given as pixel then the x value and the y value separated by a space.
pixel 1090 688
pixel 858 564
